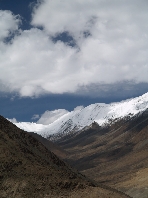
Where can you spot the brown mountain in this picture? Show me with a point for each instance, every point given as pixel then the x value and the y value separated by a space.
pixel 116 155
pixel 61 153
pixel 29 170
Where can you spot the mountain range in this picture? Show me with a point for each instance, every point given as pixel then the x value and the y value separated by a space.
pixel 28 169
pixel 115 155
pixel 108 143
pixel 78 119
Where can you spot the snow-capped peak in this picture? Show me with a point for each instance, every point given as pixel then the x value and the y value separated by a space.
pixel 82 117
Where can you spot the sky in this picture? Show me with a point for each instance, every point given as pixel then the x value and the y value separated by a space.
pixel 62 54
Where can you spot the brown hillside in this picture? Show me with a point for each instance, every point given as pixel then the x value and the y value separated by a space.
pixel 116 155
pixel 29 170
pixel 61 153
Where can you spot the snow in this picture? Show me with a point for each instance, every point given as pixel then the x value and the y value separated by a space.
pixel 49 117
pixel 82 117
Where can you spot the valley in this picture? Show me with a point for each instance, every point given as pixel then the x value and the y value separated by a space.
pixel 29 169
pixel 116 155
pixel 97 151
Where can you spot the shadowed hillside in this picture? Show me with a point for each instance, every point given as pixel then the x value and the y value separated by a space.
pixel 61 153
pixel 116 155
pixel 30 170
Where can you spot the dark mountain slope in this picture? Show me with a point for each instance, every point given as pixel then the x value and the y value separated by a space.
pixel 61 153
pixel 116 155
pixel 29 170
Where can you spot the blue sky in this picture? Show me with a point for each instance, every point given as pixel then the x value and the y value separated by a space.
pixel 62 54
pixel 19 7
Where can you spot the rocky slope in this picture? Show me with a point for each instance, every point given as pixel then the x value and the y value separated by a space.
pixel 115 155
pixel 29 169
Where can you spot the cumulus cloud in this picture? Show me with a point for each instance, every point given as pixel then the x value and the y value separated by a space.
pixel 111 46
pixel 50 116
pixel 9 23
pixel 35 117
pixel 13 120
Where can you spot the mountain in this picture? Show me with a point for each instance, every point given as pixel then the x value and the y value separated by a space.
pixel 100 113
pixel 106 142
pixel 115 155
pixel 29 169
pixel 61 153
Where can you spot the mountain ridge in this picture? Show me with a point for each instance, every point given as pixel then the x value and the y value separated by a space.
pixel 101 113
pixel 29 169
pixel 115 155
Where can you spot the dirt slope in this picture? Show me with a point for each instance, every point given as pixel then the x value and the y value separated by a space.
pixel 30 170
pixel 116 155
pixel 61 153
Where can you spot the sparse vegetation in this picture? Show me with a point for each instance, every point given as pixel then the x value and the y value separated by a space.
pixel 29 170
pixel 116 155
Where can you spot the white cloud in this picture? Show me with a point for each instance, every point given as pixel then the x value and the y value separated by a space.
pixel 8 23
pixel 50 116
pixel 35 117
pixel 115 50
pixel 13 120
pixel 33 64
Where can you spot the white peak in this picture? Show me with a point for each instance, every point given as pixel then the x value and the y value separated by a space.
pixel 81 117
pixel 49 117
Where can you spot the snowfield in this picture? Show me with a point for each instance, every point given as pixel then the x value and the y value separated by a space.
pixel 80 118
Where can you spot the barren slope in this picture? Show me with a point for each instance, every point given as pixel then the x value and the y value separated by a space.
pixel 29 170
pixel 116 155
